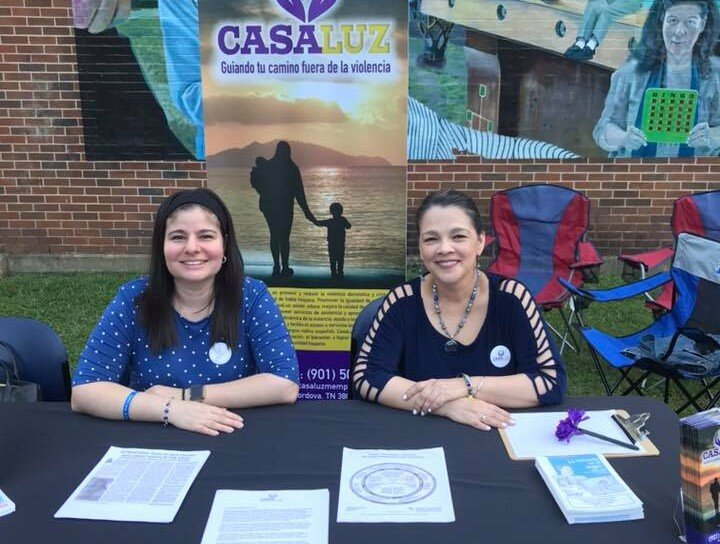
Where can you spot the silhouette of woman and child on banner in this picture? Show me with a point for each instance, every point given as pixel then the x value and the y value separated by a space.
pixel 279 184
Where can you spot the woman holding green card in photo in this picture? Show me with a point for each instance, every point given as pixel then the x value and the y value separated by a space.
pixel 674 57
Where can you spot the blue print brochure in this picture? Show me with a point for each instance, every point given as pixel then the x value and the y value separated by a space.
pixel 588 490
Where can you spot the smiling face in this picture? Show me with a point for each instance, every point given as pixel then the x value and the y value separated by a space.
pixel 682 26
pixel 449 244
pixel 193 246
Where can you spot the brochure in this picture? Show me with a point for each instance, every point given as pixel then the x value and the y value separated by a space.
pixel 588 490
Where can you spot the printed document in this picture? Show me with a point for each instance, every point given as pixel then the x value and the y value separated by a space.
pixel 6 505
pixel 533 435
pixel 132 484
pixel 296 516
pixel 588 490
pixel 381 486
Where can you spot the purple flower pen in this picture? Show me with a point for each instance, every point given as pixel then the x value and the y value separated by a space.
pixel 568 427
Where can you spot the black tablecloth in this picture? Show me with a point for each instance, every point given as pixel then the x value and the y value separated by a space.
pixel 46 451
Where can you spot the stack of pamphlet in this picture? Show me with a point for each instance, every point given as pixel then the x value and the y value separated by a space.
pixel 6 505
pixel 700 475
pixel 588 490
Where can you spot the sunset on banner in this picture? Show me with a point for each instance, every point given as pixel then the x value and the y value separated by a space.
pixel 333 88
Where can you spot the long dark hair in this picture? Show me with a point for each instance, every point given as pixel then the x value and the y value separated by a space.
pixel 651 53
pixel 447 198
pixel 154 304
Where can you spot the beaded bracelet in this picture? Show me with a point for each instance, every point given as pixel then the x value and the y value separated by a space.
pixel 126 405
pixel 478 386
pixel 166 413
pixel 468 384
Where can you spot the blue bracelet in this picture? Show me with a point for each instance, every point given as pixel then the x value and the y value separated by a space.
pixel 126 405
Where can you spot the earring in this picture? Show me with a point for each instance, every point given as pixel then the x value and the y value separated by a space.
pixel 477 262
pixel 423 271
pixel 224 259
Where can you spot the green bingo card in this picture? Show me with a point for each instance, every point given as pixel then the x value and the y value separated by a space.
pixel 668 115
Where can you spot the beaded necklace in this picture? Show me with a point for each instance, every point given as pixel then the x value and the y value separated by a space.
pixel 451 346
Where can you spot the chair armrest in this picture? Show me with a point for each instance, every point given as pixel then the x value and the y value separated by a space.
pixel 587 256
pixel 649 259
pixel 620 292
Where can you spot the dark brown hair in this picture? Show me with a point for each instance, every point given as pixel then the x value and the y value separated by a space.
pixel 154 304
pixel 445 199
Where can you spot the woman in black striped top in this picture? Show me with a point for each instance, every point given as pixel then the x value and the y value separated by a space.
pixel 459 342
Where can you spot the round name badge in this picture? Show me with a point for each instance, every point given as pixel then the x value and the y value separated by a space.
pixel 220 353
pixel 500 356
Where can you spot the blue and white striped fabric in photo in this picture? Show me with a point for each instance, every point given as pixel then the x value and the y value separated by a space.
pixel 431 137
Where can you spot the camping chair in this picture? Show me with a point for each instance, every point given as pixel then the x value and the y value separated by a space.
pixel 539 232
pixel 683 342
pixel 40 356
pixel 699 214
pixel 360 329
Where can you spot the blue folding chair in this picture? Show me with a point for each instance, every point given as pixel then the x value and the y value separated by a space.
pixel 40 356
pixel 681 344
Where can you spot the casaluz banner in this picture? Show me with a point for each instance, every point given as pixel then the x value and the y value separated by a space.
pixel 305 126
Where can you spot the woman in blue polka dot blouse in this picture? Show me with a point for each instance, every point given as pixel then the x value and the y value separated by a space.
pixel 192 339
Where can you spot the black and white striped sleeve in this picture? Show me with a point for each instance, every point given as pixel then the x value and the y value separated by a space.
pixel 533 347
pixel 379 356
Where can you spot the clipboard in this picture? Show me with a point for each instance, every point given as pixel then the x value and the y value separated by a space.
pixel 537 432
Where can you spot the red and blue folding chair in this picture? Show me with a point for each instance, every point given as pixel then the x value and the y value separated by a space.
pixel 539 232
pixel 683 343
pixel 699 214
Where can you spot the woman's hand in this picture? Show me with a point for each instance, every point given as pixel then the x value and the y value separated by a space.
pixel 477 413
pixel 430 395
pixel 700 136
pixel 165 391
pixel 203 418
pixel 633 139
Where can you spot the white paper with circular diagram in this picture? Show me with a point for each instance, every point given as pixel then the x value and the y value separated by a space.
pixel 382 486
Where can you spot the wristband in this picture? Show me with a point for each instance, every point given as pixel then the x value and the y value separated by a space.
pixel 166 413
pixel 468 384
pixel 126 405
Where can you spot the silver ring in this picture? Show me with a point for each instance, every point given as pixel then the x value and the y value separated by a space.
pixel 482 417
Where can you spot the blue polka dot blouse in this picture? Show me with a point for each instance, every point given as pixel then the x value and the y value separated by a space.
pixel 118 345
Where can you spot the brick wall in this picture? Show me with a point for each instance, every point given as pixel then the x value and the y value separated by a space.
pixel 631 199
pixel 53 200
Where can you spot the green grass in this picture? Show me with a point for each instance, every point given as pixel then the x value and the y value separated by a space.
pixel 72 303
pixel 442 89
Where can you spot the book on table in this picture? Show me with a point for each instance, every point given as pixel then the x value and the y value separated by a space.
pixel 587 489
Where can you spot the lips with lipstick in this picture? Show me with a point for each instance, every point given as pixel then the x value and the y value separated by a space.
pixel 447 263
